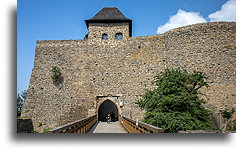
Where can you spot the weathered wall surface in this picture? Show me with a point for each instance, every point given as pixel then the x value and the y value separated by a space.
pixel 24 126
pixel 96 30
pixel 122 69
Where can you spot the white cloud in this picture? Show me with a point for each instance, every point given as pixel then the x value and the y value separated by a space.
pixel 182 18
pixel 226 13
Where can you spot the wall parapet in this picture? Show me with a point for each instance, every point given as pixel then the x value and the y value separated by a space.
pixel 60 42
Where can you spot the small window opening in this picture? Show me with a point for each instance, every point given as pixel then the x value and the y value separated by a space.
pixel 119 36
pixel 104 36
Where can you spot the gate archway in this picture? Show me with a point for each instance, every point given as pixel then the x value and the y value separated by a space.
pixel 108 107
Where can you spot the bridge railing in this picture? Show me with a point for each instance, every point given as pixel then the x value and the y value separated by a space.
pixel 79 126
pixel 133 126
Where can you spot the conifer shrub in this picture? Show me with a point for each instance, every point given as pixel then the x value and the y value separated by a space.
pixel 174 104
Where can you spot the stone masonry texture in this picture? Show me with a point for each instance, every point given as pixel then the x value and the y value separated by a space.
pixel 122 69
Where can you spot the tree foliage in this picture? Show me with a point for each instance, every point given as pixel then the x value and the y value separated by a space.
pixel 174 105
pixel 20 101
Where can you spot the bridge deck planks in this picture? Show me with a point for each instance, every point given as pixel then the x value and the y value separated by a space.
pixel 104 127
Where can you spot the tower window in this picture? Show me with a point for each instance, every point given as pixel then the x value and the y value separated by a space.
pixel 104 36
pixel 119 36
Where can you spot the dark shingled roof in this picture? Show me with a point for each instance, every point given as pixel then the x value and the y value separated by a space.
pixel 110 15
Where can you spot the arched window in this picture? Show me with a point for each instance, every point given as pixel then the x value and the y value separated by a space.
pixel 104 36
pixel 119 36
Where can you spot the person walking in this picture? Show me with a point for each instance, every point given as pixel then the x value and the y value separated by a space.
pixel 108 118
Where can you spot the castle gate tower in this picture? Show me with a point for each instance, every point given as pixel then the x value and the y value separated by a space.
pixel 109 70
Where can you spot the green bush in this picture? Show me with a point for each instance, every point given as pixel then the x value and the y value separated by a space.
pixel 56 74
pixel 174 105
pixel 233 127
pixel 46 130
pixel 227 113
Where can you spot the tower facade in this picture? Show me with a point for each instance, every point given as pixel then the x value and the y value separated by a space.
pixel 109 24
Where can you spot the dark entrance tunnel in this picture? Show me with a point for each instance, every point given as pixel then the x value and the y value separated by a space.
pixel 107 107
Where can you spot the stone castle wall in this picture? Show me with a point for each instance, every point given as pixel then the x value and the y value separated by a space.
pixel 123 69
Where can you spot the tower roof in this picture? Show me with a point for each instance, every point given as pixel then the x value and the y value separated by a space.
pixel 110 15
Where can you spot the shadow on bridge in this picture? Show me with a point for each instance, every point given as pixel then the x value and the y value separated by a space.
pixel 93 128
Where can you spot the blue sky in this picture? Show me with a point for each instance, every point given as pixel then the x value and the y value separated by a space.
pixel 64 19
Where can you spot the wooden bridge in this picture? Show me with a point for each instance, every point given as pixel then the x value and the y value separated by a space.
pixel 92 125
